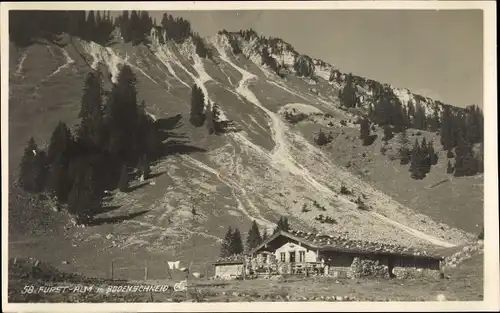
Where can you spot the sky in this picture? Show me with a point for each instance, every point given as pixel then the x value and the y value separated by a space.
pixel 436 53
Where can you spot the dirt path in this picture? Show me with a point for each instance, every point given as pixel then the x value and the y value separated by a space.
pixel 282 155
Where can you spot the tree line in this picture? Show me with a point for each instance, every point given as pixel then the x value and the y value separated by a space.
pixel 115 135
pixel 459 129
pixel 233 244
pixel 26 26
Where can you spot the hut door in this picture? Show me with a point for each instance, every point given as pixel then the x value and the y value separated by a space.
pixel 390 266
pixel 292 257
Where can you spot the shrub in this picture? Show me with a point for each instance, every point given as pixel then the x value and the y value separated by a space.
pixel 344 190
pixel 383 150
pixel 295 118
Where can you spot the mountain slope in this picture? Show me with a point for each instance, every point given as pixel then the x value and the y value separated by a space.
pixel 269 168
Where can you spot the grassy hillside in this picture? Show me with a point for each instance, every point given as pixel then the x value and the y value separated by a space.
pixel 269 168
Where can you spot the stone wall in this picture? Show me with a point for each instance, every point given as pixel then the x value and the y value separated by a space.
pixel 339 271
pixel 464 254
pixel 363 267
pixel 413 272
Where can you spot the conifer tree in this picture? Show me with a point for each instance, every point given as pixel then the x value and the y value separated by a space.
pixel 474 124
pixel 465 161
pixel 60 144
pixel 123 112
pixel 225 250
pixel 253 238
pixel 197 115
pixel 144 166
pixel 404 151
pixel 387 133
pixel 433 157
pixel 32 172
pixel 90 26
pixel 282 225
pixel 321 139
pixel 348 93
pixel 123 184
pixel 447 129
pixel 91 130
pixel 417 166
pixel 85 197
pixel 364 131
pixel 236 246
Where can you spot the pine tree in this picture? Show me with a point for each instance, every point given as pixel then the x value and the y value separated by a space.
pixel 348 93
pixel 387 133
pixel 282 225
pixel 90 26
pixel 33 169
pixel 321 139
pixel 417 166
pixel 144 167
pixel 122 113
pixel 474 124
pixel 60 144
pixel 197 116
pixel 419 120
pixel 85 197
pixel 404 152
pixel 125 26
pixel 123 184
pixel 225 250
pixel 236 246
pixel 465 161
pixel 433 157
pixel 91 130
pixel 426 156
pixel 253 238
pixel 447 131
pixel 364 131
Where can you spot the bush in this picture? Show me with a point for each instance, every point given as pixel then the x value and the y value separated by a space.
pixel 383 150
pixel 295 118
pixel 325 219
pixel 481 234
pixel 343 123
pixel 344 190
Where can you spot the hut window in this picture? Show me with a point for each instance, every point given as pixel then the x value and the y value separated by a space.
pixel 283 256
pixel 302 256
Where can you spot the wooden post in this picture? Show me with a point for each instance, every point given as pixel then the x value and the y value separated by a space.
pixel 244 268
pixel 112 269
pixel 146 270
pixel 169 274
